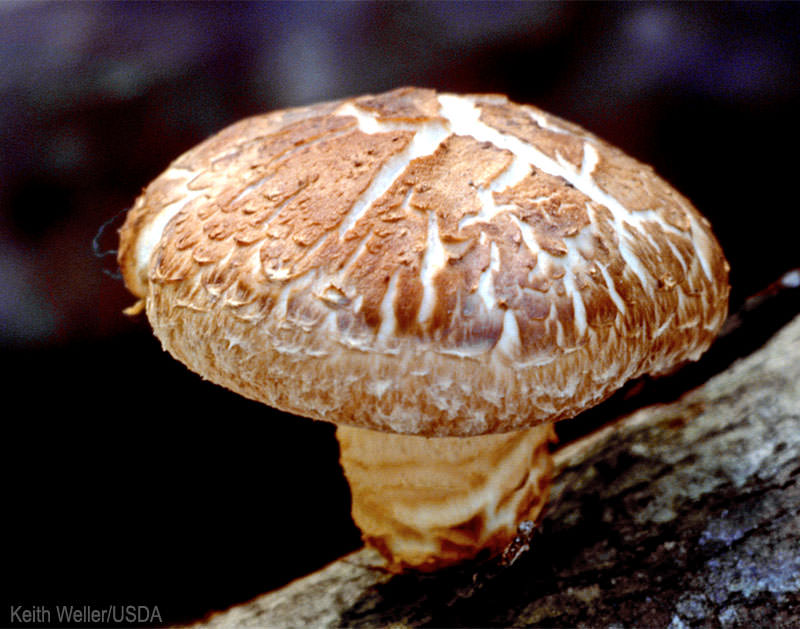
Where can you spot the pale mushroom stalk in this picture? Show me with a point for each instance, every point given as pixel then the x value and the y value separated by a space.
pixel 442 276
pixel 426 503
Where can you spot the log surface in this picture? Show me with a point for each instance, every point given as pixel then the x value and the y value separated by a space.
pixel 679 515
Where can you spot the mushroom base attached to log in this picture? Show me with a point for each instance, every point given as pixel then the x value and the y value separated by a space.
pixel 427 503
pixel 433 265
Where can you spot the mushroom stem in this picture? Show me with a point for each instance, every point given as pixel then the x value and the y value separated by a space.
pixel 427 503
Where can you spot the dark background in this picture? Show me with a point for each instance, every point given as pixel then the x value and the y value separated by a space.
pixel 128 480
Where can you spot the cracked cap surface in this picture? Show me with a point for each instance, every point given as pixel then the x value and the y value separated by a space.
pixel 422 263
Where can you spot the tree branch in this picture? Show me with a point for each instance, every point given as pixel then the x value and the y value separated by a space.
pixel 678 515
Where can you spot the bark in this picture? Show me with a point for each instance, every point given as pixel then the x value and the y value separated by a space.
pixel 679 515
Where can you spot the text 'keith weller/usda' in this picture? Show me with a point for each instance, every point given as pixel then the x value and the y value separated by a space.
pixel 85 614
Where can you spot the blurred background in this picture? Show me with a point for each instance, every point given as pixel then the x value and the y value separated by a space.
pixel 128 480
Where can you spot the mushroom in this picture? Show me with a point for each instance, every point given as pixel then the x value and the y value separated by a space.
pixel 443 276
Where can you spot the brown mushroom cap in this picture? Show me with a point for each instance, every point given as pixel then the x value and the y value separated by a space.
pixel 422 263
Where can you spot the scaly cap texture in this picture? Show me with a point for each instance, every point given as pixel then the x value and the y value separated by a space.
pixel 422 263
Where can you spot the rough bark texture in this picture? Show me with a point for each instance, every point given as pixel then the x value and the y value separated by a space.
pixel 680 515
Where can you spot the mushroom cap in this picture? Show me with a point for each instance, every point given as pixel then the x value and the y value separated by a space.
pixel 422 263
